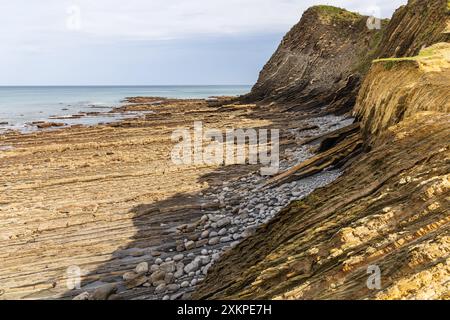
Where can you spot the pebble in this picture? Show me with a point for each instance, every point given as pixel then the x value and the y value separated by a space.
pixel 204 234
pixel 83 296
pixel 168 266
pixel 223 222
pixel 214 241
pixel 129 276
pixel 160 288
pixel 193 266
pixel 157 276
pixel 173 287
pixel 154 267
pixel 142 268
pixel 189 245
pixel 178 257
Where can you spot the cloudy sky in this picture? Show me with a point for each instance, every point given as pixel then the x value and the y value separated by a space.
pixel 107 42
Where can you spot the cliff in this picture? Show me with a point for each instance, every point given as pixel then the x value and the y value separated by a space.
pixel 398 88
pixel 315 64
pixel 388 212
pixel 420 23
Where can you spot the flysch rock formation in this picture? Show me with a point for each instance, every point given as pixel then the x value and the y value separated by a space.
pixel 140 231
pixel 319 61
pixel 388 214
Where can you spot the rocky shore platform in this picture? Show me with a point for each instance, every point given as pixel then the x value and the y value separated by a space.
pixel 106 203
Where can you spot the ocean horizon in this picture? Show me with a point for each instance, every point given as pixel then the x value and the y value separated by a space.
pixel 22 105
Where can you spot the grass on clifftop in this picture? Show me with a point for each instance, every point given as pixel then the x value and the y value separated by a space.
pixel 426 54
pixel 339 14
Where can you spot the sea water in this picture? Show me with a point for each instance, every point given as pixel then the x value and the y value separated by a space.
pixel 20 106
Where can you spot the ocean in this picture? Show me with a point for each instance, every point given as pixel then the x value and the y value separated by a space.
pixel 20 106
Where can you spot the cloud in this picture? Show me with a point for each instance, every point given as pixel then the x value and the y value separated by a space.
pixel 159 19
pixel 137 41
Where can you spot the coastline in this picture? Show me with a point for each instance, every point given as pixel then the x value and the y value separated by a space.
pixel 106 198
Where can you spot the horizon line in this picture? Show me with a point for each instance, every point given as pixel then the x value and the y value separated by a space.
pixel 125 85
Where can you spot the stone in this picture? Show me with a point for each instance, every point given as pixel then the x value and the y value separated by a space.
pixel 216 256
pixel 166 297
pixel 214 241
pixel 206 269
pixel 205 260
pixel 173 287
pixel 204 234
pixel 158 261
pixel 85 295
pixel 178 274
pixel 129 275
pixel 184 284
pixel 201 243
pixel 103 292
pixel 213 234
pixel 161 288
pixel 193 266
pixel 142 268
pixel 176 296
pixel 136 282
pixel 157 275
pixel 204 252
pixel 222 232
pixel 178 257
pixel 223 222
pixel 169 278
pixel 153 268
pixel 225 239
pixel 189 245
pixel 168 266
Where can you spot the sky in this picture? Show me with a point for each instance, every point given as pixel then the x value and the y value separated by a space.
pixel 149 42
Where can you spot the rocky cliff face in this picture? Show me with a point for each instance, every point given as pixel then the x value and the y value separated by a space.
pixel 420 23
pixel 388 213
pixel 315 64
pixel 398 88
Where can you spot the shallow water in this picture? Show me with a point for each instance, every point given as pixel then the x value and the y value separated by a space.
pixel 20 106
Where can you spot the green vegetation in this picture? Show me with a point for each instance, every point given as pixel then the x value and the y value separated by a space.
pixel 336 14
pixel 389 63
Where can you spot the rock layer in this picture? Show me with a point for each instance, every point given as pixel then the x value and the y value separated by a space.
pixel 316 62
